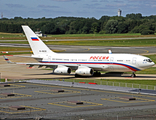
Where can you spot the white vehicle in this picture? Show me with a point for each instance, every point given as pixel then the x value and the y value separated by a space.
pixel 83 64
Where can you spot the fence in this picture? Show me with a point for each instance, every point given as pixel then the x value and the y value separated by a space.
pixel 130 85
pixel 119 84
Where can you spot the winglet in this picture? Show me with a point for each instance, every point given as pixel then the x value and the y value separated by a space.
pixel 8 61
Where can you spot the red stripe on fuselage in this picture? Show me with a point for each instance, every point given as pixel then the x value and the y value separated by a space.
pixel 129 67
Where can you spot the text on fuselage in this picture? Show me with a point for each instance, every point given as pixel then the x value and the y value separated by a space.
pixel 99 57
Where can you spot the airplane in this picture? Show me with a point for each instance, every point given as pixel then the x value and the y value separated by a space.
pixel 84 64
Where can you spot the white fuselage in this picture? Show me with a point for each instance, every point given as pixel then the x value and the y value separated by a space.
pixel 101 62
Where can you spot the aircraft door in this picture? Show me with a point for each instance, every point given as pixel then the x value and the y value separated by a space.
pixel 134 60
pixel 111 67
pixel 111 59
pixel 49 58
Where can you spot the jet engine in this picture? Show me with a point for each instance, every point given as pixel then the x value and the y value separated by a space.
pixel 62 70
pixel 84 71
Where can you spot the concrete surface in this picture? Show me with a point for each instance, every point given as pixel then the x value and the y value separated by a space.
pixel 41 102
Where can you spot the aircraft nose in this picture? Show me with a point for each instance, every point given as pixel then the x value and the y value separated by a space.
pixel 153 63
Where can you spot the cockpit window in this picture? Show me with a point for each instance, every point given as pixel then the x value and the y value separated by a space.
pixel 148 60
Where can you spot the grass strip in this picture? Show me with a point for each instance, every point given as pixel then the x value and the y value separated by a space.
pixel 17 36
pixel 119 43
pixel 14 49
pixel 15 53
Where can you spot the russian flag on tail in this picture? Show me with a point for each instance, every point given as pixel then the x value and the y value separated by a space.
pixel 34 39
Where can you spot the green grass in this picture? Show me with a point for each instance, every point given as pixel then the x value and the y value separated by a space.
pixel 10 35
pixel 13 49
pixel 3 80
pixel 15 53
pixel 94 35
pixel 120 43
pixel 15 36
pixel 14 41
pixel 151 70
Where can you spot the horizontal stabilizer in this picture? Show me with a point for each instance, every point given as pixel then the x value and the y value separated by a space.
pixel 8 61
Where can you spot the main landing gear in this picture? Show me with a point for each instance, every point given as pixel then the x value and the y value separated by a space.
pixel 97 74
pixel 133 75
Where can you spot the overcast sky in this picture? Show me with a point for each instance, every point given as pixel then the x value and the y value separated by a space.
pixel 75 8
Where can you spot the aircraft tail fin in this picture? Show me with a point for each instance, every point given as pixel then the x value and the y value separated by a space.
pixel 37 45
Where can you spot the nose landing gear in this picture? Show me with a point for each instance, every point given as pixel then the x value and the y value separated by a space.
pixel 133 75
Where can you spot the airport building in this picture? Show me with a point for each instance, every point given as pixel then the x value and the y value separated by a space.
pixel 119 12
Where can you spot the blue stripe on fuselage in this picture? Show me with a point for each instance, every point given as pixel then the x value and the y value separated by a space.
pixel 103 63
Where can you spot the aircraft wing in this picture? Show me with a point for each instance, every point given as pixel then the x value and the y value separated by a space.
pixel 54 65
pixel 51 65
pixel 72 66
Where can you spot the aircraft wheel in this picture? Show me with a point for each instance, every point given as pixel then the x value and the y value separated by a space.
pixel 76 75
pixel 97 74
pixel 133 75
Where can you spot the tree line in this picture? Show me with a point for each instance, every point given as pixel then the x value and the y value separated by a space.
pixel 132 23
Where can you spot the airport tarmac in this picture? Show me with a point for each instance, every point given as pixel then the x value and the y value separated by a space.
pixel 92 49
pixel 32 100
